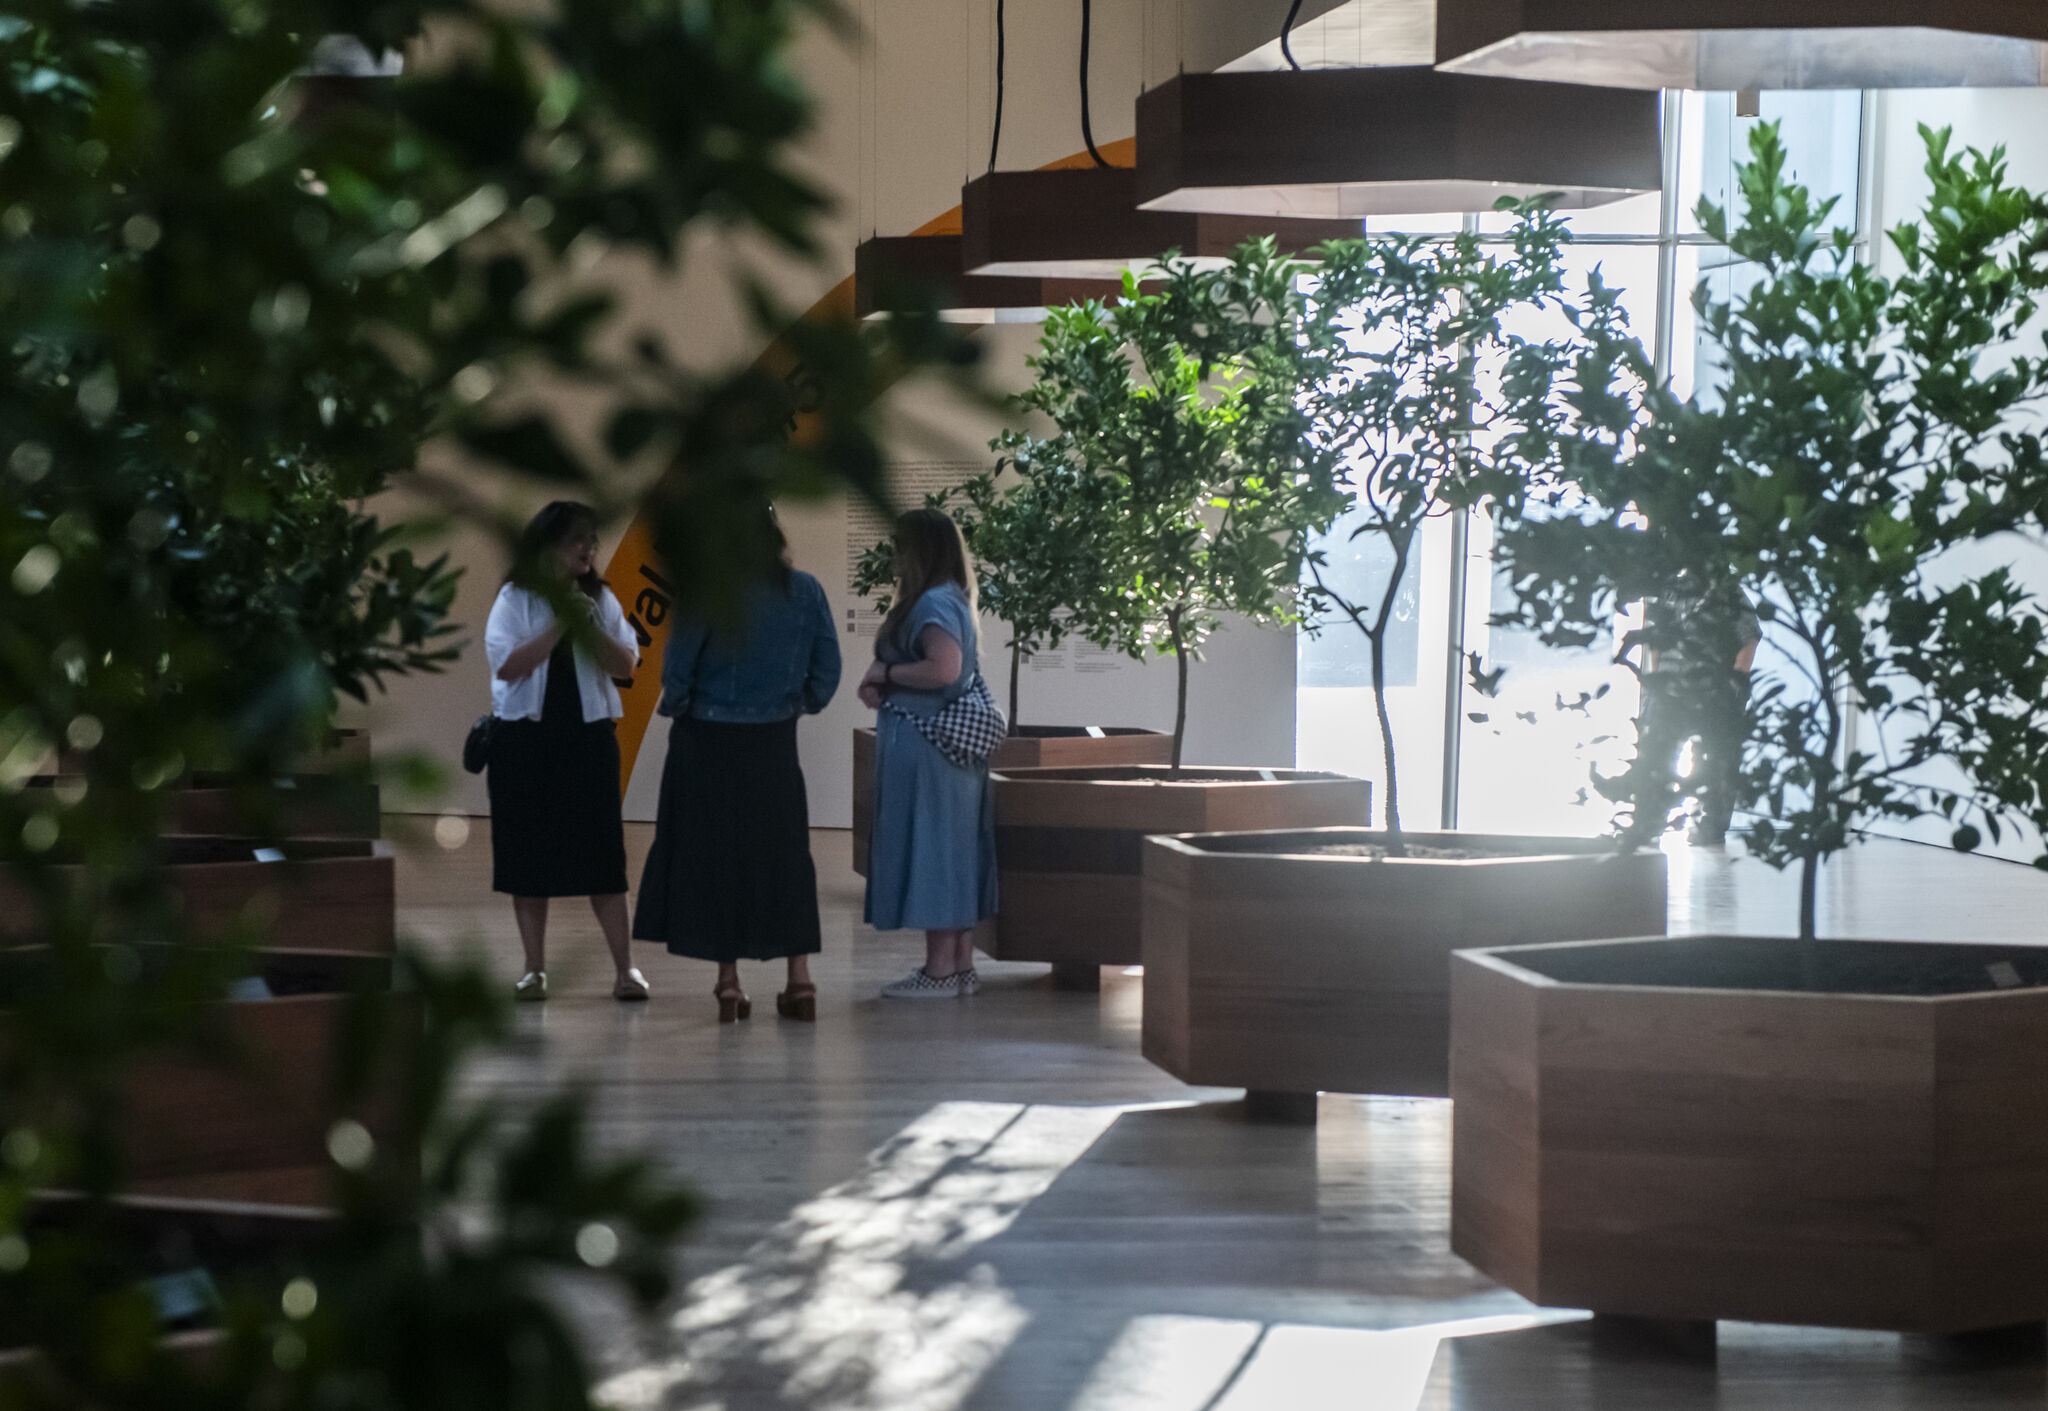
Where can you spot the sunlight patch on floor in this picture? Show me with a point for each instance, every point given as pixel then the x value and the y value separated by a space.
pixel 1174 1363
pixel 857 1301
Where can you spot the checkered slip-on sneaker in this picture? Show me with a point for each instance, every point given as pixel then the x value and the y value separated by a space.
pixel 918 985
pixel 970 983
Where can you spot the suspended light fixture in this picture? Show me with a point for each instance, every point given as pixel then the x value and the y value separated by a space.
pixel 908 273
pixel 1738 45
pixel 1084 222
pixel 900 273
pixel 1361 142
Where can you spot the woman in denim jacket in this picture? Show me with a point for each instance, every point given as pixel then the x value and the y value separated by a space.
pixel 730 876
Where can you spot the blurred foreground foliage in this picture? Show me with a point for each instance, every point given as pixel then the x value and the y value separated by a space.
pixel 251 279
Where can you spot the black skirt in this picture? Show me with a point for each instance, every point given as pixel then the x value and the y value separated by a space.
pixel 556 827
pixel 730 875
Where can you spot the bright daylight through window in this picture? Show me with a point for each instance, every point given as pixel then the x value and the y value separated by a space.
pixel 1519 761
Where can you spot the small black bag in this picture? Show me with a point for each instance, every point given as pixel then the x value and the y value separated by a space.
pixel 476 750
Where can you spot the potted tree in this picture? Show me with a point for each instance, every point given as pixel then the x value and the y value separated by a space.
pixel 1166 409
pixel 1292 962
pixel 1031 565
pixel 1860 1117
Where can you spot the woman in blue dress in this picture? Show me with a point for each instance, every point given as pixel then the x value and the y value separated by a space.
pixel 932 865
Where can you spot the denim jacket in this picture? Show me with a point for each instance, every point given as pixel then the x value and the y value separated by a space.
pixel 783 663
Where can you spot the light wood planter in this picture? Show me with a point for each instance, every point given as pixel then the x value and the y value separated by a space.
pixel 344 752
pixel 1029 747
pixel 335 805
pixel 1734 1127
pixel 152 1237
pixel 327 894
pixel 307 806
pixel 1285 972
pixel 252 1123
pixel 1070 843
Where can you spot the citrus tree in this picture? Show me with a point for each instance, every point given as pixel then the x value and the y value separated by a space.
pixel 1403 339
pixel 1177 427
pixel 1029 563
pixel 1847 480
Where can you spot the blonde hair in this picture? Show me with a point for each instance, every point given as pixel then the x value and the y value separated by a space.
pixel 929 550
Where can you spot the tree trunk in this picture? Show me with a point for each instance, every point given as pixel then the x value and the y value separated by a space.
pixel 1016 674
pixel 1391 809
pixel 1823 801
pixel 1180 707
pixel 1809 946
pixel 1809 879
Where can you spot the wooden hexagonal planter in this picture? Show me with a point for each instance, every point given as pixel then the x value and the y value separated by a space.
pixel 1029 747
pixel 322 894
pixel 249 1120
pixel 1070 843
pixel 300 805
pixel 153 1237
pixel 1305 961
pixel 336 805
pixel 1849 1134
pixel 342 752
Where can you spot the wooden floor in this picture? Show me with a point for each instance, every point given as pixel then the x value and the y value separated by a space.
pixel 998 1204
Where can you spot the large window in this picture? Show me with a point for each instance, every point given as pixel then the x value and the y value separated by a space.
pixel 1521 761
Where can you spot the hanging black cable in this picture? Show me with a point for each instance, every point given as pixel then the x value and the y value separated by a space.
pixel 995 137
pixel 1286 29
pixel 1087 134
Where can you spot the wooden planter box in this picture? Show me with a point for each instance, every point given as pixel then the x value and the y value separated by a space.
pixel 345 752
pixel 156 1237
pixel 1070 843
pixel 308 806
pixel 328 894
pixel 1282 971
pixel 1735 1127
pixel 254 1127
pixel 1029 747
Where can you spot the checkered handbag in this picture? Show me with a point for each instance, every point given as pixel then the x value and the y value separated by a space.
pixel 966 729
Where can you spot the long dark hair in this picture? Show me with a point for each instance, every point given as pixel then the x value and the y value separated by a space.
pixel 930 550
pixel 556 524
pixel 774 546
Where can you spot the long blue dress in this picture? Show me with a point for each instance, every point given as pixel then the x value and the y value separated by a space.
pixel 932 861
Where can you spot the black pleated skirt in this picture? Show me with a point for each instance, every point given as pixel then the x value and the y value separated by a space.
pixel 730 875
pixel 556 828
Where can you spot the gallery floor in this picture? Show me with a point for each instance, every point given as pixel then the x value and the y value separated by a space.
pixel 998 1203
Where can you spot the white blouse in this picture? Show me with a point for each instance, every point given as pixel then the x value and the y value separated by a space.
pixel 519 616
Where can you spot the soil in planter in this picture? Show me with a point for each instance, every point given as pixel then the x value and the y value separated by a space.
pixel 1914 968
pixel 193 849
pixel 25 972
pixel 1073 732
pixel 1162 775
pixel 197 849
pixel 1372 845
pixel 1380 852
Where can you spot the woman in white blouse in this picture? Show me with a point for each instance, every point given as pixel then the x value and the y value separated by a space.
pixel 556 829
